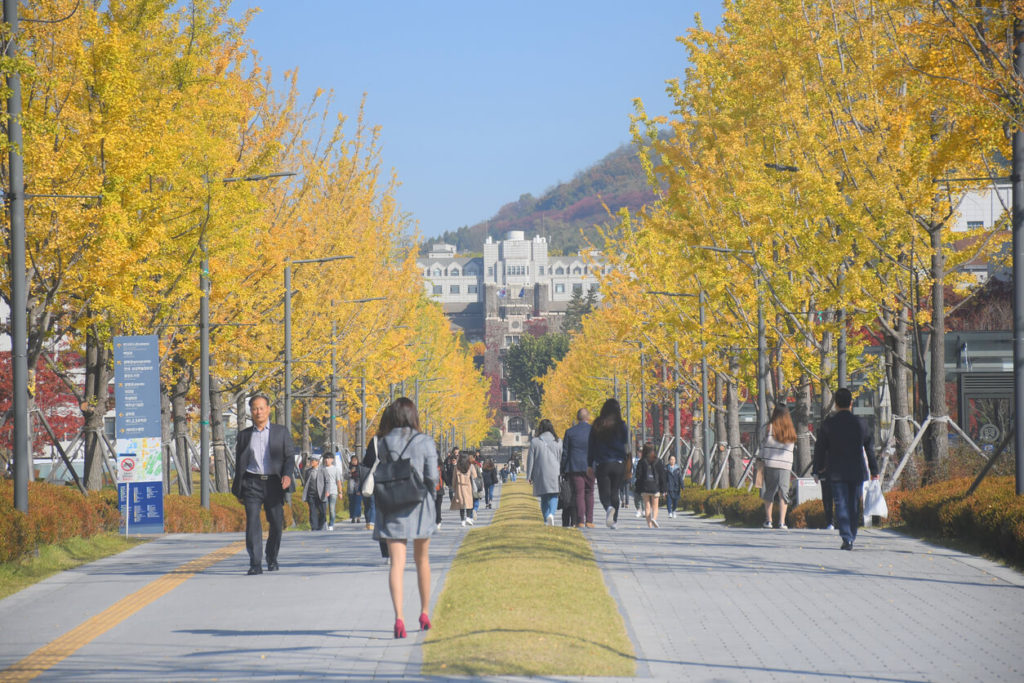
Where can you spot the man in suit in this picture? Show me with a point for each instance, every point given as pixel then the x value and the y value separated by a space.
pixel 314 492
pixel 844 448
pixel 264 462
pixel 574 464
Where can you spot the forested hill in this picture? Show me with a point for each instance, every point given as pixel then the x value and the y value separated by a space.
pixel 565 210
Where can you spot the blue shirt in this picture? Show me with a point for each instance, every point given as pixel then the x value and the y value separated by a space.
pixel 258 442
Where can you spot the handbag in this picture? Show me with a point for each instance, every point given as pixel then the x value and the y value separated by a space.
pixel 398 486
pixel 874 501
pixel 478 485
pixel 566 493
pixel 368 485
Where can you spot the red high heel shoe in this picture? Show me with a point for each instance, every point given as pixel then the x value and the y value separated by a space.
pixel 424 621
pixel 399 628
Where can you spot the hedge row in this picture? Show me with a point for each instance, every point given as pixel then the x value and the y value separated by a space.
pixel 992 518
pixel 58 513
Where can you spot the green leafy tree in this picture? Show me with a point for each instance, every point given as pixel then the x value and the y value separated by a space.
pixel 528 361
pixel 579 306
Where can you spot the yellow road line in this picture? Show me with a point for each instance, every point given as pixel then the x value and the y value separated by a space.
pixel 69 643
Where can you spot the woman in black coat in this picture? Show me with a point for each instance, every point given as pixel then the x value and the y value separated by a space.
pixel 651 483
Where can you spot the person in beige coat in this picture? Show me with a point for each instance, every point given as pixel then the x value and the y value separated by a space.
pixel 462 483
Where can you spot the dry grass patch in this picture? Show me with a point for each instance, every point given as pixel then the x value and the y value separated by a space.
pixel 524 599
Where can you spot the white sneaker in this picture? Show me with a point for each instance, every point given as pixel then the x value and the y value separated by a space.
pixel 783 526
pixel 655 523
pixel 609 517
pixel 639 513
pixel 470 521
pixel 463 522
pixel 830 528
pixel 330 528
pixel 438 526
pixel 550 521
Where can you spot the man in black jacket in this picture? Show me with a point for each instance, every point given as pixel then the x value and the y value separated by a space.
pixel 264 463
pixel 844 448
pixel 574 464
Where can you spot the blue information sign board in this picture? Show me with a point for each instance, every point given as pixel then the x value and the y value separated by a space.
pixel 138 434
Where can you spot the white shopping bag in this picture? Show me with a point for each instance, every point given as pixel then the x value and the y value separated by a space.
pixel 874 501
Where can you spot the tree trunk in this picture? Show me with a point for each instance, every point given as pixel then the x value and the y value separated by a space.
pixel 801 420
pixel 732 401
pixel 721 430
pixel 182 460
pixel 221 483
pixel 94 407
pixel 825 370
pixel 937 440
pixel 166 436
pixel 899 383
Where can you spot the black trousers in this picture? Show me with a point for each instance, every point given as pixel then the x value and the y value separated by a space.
pixel 267 494
pixel 316 513
pixel 609 481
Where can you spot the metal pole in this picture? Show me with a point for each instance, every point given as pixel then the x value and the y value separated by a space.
pixel 762 370
pixel 841 380
pixel 615 387
pixel 19 291
pixel 643 399
pixel 629 421
pixel 362 418
pixel 1017 178
pixel 334 384
pixel 704 398
pixel 675 405
pixel 204 373
pixel 288 347
pixel 416 392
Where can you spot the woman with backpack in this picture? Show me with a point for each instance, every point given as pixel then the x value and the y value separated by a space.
pixel 399 438
pixel 650 483
pixel 463 481
pixel 543 466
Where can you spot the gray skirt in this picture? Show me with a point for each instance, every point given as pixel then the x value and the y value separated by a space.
pixel 776 481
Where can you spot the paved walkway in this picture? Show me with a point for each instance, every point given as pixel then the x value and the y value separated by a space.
pixel 702 602
pixel 707 602
pixel 325 615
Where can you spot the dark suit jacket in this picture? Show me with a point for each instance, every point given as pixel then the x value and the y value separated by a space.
pixel 842 442
pixel 574 448
pixel 280 450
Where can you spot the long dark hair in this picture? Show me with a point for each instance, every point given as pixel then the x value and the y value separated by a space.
pixel 546 426
pixel 463 463
pixel 387 421
pixel 609 421
pixel 405 415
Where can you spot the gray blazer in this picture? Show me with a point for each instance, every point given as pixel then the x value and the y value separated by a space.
pixel 543 463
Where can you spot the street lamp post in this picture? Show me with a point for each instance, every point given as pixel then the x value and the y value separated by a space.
pixel 334 370
pixel 288 330
pixel 204 342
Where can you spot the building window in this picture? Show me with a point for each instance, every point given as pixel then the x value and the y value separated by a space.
pixel 594 287
pixel 559 288
pixel 560 271
pixel 454 289
pixel 577 287
pixel 471 289
pixel 490 271
pixel 577 270
pixel 437 272
pixel 516 270
pixel 454 272
pixel 438 289
pixel 540 270
pixel 975 225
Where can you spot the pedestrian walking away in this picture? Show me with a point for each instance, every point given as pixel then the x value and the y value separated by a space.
pixel 845 449
pixel 462 491
pixel 354 488
pixel 543 463
pixel 400 438
pixel 264 463
pixel 776 455
pixel 575 443
pixel 490 479
pixel 674 482
pixel 314 491
pixel 333 476
pixel 607 456
pixel 651 483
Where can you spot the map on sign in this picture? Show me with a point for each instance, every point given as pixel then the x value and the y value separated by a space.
pixel 149 461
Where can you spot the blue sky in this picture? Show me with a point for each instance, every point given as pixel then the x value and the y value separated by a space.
pixel 480 102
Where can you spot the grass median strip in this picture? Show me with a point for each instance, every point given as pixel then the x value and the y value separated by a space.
pixel 526 599
pixel 57 558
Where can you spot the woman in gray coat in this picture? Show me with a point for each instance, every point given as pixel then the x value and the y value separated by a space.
pixel 542 469
pixel 399 431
